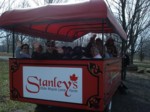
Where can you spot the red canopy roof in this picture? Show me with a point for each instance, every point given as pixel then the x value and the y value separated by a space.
pixel 63 22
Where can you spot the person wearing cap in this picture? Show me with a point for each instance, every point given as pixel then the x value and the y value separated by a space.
pixel 52 52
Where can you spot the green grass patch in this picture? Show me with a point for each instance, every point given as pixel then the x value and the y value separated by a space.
pixel 7 105
pixel 142 64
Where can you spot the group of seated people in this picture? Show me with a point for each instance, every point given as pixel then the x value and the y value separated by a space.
pixel 97 49
pixel 94 50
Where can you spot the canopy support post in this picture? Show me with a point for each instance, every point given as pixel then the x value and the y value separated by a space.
pixel 13 43
pixel 103 50
pixel 123 60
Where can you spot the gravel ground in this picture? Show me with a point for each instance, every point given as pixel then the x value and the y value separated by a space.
pixel 137 98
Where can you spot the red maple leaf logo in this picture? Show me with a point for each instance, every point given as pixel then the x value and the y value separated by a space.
pixel 73 77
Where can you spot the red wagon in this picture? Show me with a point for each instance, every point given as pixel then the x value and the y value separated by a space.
pixel 87 84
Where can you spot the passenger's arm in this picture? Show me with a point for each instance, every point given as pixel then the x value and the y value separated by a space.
pixel 17 52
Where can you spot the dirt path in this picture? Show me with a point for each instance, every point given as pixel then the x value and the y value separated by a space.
pixel 137 98
pixel 4 57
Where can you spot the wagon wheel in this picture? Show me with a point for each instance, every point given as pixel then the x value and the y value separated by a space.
pixel 109 107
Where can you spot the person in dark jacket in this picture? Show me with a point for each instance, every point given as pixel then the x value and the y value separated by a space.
pixel 111 48
pixel 38 51
pixel 51 51
pixel 89 46
pixel 125 62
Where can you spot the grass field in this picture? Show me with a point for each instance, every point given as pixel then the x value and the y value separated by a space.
pixel 142 64
pixel 145 65
pixel 7 105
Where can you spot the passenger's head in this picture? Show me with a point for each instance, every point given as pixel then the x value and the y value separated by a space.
pixel 25 48
pixel 99 42
pixel 50 46
pixel 94 51
pixel 110 42
pixel 77 52
pixel 50 43
pixel 38 47
pixel 92 39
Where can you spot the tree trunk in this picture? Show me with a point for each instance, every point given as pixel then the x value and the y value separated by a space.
pixel 50 1
pixel 141 55
pixel 7 42
pixel 132 54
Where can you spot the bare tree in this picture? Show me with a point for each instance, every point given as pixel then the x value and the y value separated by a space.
pixel 8 5
pixel 5 5
pixel 39 2
pixel 143 50
pixel 134 17
pixel 55 1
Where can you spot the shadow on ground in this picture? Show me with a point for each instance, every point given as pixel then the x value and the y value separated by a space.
pixel 137 98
